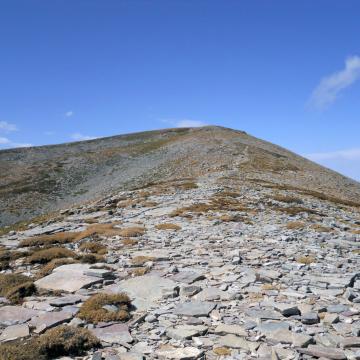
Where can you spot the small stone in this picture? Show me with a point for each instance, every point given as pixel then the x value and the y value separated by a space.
pixel 233 341
pixel 183 332
pixel 114 334
pixel 287 309
pixel 186 353
pixel 337 309
pixel 310 318
pixel 330 318
pixel 223 329
pixel 194 308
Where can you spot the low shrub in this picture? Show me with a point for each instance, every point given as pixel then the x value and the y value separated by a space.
pixel 133 231
pixel 92 310
pixel 15 287
pixel 295 225
pixel 307 260
pixel 91 259
pixel 60 341
pixel 58 238
pixel 46 255
pixel 93 247
pixel 167 226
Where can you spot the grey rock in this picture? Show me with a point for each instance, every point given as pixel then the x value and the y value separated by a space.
pixel 12 315
pixel 186 353
pixel 187 277
pixel 324 352
pixel 114 334
pixel 49 320
pixel 183 332
pixel 14 332
pixel 146 290
pixel 310 318
pixel 194 308
pixel 233 341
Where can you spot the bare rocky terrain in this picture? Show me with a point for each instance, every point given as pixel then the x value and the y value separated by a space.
pixel 201 244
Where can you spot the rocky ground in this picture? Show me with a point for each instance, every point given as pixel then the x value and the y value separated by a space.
pixel 214 267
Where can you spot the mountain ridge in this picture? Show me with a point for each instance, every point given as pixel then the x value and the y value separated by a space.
pixel 39 180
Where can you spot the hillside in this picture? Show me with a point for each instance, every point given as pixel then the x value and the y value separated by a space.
pixel 39 180
pixel 179 244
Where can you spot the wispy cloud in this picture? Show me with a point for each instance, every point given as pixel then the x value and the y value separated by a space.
pixel 7 127
pixel 346 161
pixel 7 143
pixel 331 86
pixel 182 123
pixel 347 154
pixel 81 137
pixel 69 113
pixel 190 123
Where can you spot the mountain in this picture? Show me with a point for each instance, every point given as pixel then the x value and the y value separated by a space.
pixel 40 180
pixel 179 244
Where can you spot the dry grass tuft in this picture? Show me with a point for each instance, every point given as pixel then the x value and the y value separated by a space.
pixel 60 341
pixel 287 199
pixel 92 310
pixel 46 255
pixel 50 266
pixel 295 210
pixel 98 229
pixel 15 287
pixel 320 228
pixel 168 226
pixel 355 232
pixel 307 260
pixel 129 242
pixel 295 225
pixel 186 185
pixel 134 231
pixel 92 259
pixel 59 238
pixel 139 271
pixel 93 248
pixel 141 260
pixel 6 256
pixel 222 351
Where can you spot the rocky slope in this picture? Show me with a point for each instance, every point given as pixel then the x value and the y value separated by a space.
pixel 228 248
pixel 40 180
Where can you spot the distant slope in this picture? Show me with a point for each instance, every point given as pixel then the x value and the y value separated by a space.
pixel 38 180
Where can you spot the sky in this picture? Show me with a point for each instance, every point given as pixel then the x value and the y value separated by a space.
pixel 284 71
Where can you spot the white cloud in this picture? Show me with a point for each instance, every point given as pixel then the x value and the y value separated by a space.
pixel 331 86
pixel 346 161
pixel 4 141
pixel 7 143
pixel 81 137
pixel 7 127
pixel 69 113
pixel 347 154
pixel 190 123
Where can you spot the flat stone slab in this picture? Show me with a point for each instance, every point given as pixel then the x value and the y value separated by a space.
pixel 224 329
pixel 145 290
pixel 214 294
pixel 194 308
pixel 114 334
pixel 66 300
pixel 68 278
pixel 49 320
pixel 12 315
pixel 183 332
pixel 325 352
pixel 187 353
pixel 233 341
pixel 15 332
pixel 187 277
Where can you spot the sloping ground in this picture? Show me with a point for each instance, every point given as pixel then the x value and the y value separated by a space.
pixel 41 180
pixel 215 268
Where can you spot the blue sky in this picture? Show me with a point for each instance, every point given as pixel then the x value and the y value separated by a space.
pixel 284 71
